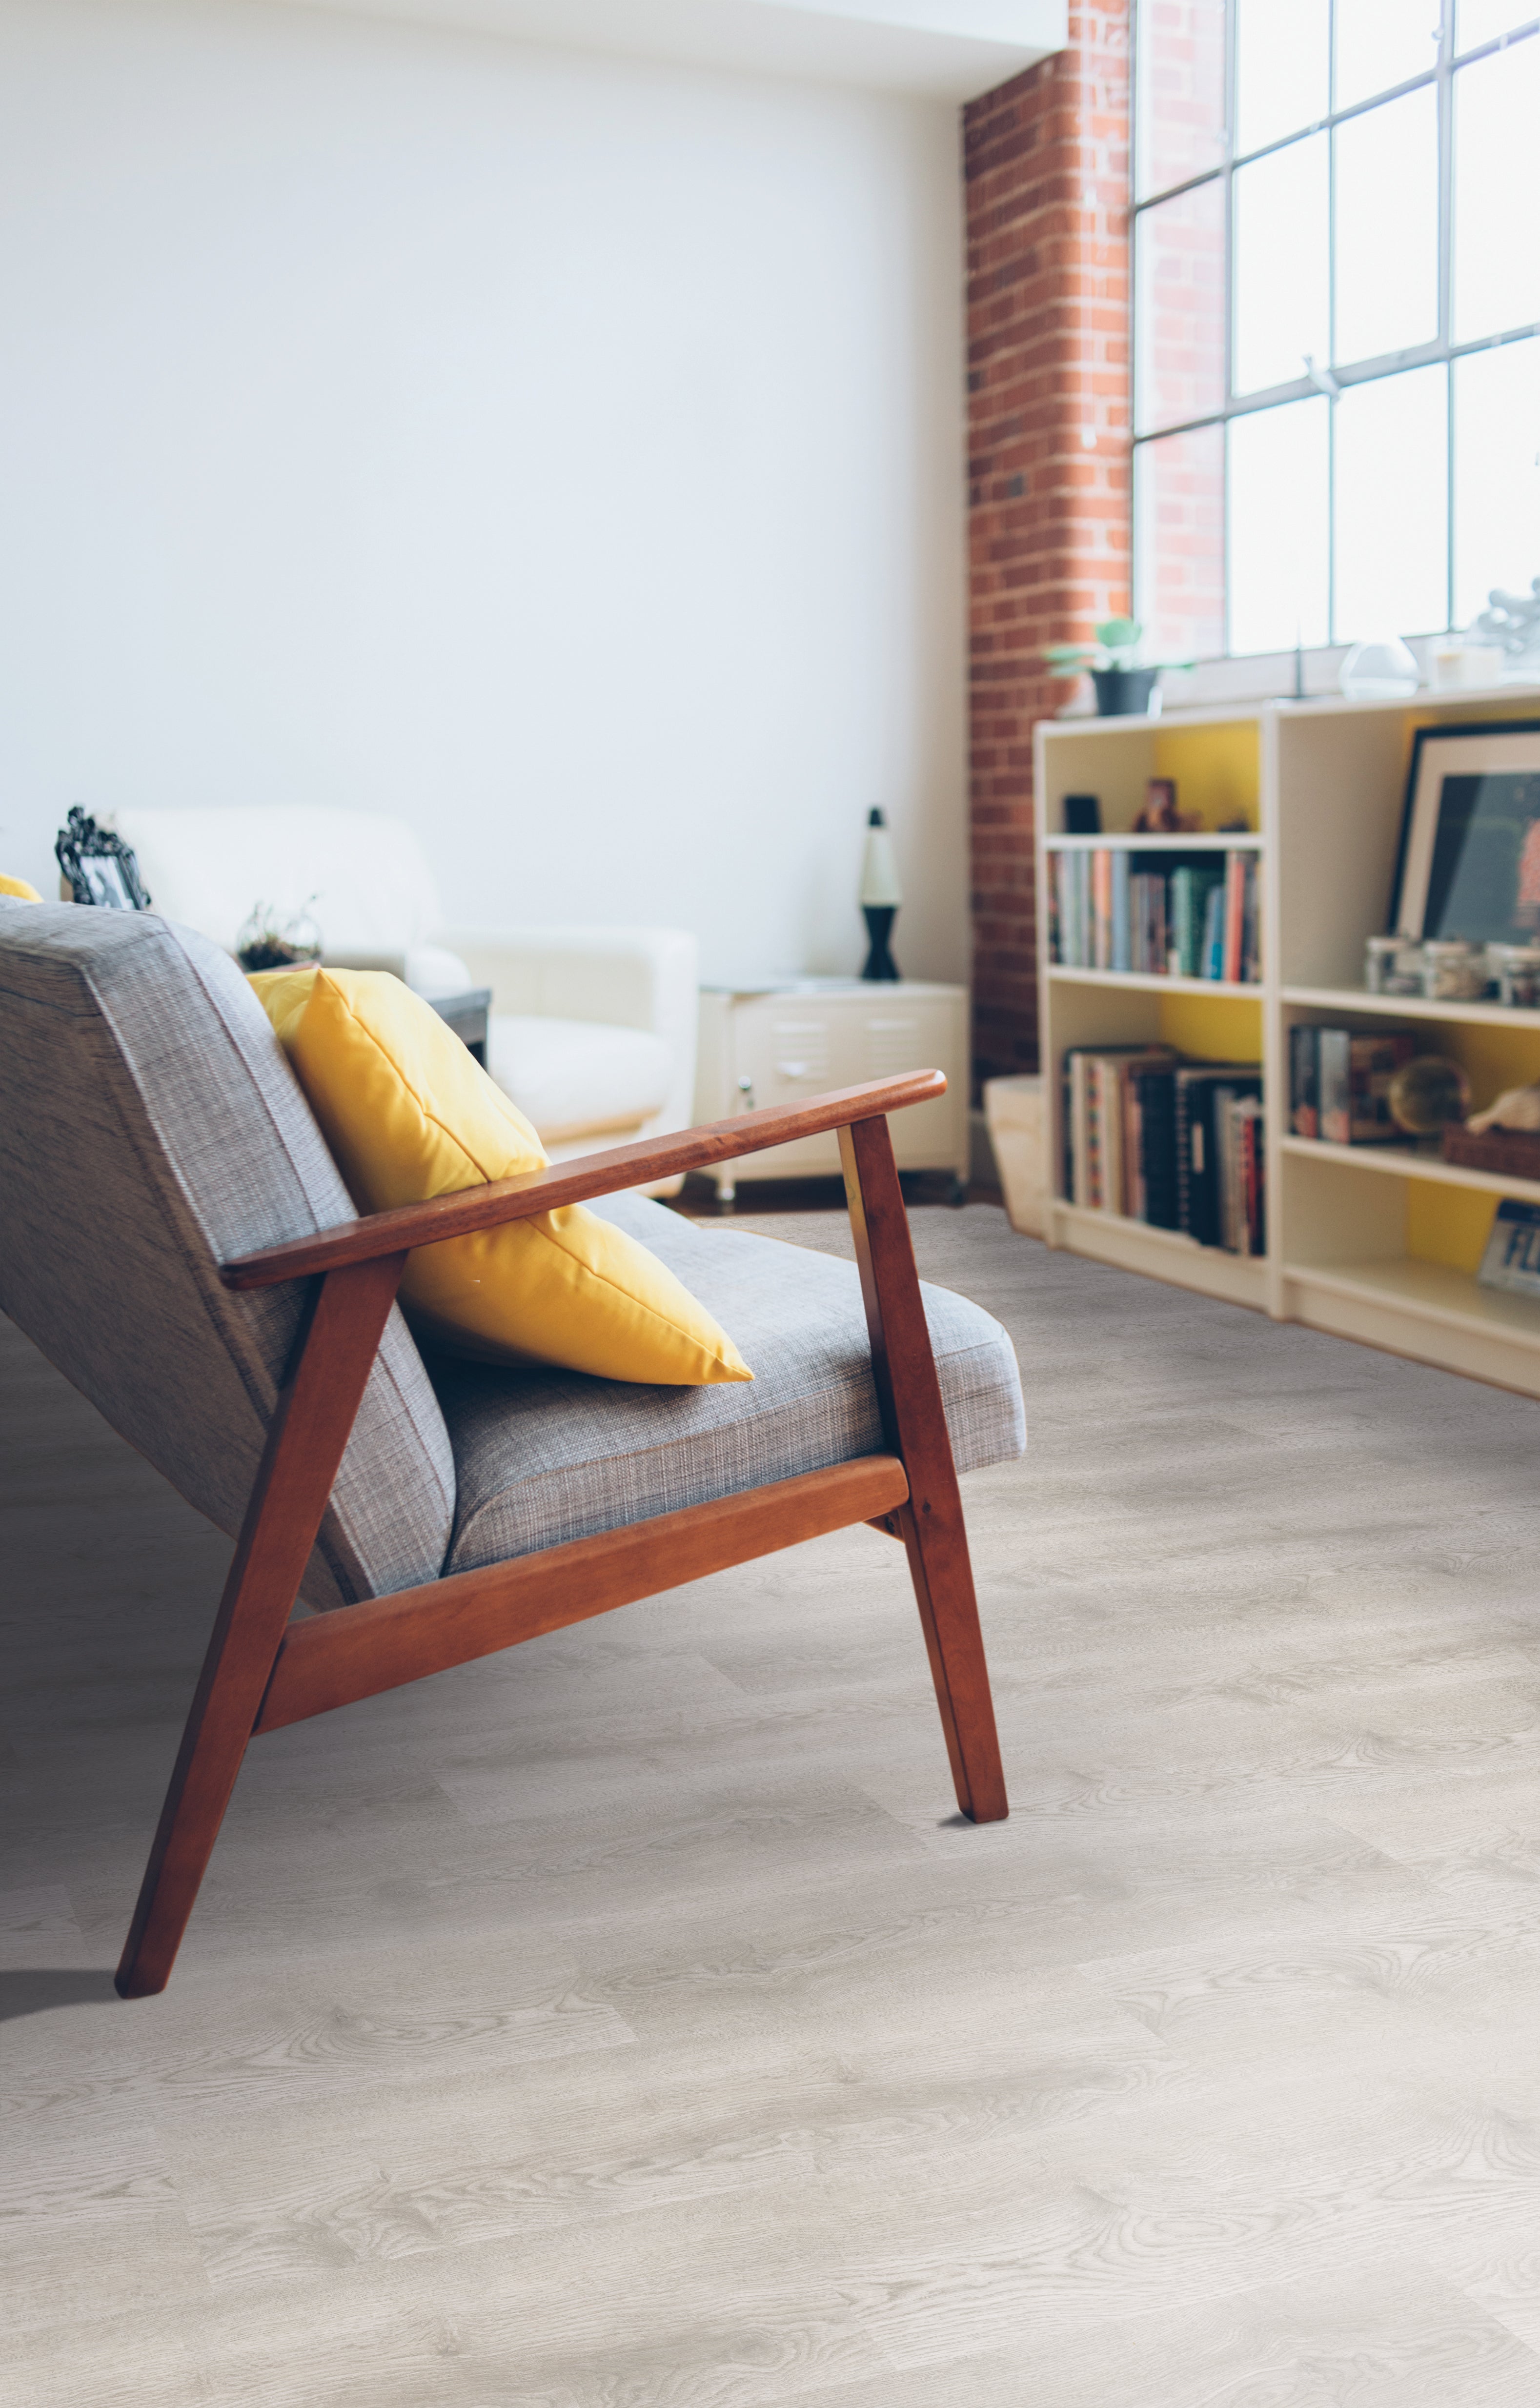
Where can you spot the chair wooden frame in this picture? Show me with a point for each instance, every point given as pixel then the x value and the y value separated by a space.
pixel 263 1670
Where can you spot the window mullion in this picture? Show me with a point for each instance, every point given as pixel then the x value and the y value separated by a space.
pixel 1228 171
pixel 1446 274
pixel 1331 322
pixel 1445 170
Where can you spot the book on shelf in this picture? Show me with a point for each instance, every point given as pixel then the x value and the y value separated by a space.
pixel 1305 1113
pixel 1070 915
pixel 1511 1263
pixel 1147 947
pixel 1194 919
pixel 1238 1170
pixel 1176 1144
pixel 1212 959
pixel 1339 1084
pixel 1189 889
pixel 1207 1135
pixel 1095 1119
pixel 1102 910
pixel 1232 951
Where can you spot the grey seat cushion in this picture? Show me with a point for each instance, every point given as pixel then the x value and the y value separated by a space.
pixel 150 1128
pixel 544 1457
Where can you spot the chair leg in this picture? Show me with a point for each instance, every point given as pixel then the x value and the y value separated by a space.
pixel 316 1409
pixel 915 1424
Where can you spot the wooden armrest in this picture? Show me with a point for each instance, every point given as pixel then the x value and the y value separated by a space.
pixel 470 1209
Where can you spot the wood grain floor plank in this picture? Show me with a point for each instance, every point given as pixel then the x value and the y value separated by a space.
pixel 115 2360
pixel 688 2304
pixel 314 2030
pixel 1399 2338
pixel 343 2182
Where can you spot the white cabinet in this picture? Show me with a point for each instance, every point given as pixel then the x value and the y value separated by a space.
pixel 786 1043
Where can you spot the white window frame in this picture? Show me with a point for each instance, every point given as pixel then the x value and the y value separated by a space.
pixel 1235 676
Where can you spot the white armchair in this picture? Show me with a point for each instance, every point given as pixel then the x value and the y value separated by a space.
pixel 592 1031
pixel 579 1016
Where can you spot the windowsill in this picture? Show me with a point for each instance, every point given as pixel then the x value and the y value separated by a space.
pixel 1258 677
pixel 1267 677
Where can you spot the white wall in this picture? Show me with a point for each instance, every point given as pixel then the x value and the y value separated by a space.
pixel 562 451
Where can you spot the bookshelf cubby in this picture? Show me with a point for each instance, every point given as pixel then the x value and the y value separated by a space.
pixel 1376 1243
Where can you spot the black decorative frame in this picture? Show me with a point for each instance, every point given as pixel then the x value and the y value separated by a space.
pixel 81 849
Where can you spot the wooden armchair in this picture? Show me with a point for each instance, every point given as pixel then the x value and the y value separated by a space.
pixel 262 1671
pixel 176 1238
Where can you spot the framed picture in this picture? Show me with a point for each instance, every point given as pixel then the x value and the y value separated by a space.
pixel 1469 864
pixel 99 867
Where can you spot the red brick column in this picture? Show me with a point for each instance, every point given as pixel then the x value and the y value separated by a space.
pixel 1046 160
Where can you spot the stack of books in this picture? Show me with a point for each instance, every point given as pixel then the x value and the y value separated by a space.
pixel 1175 1143
pixel 1191 918
pixel 1339 1084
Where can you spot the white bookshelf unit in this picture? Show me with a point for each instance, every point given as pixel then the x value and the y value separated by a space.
pixel 1369 1242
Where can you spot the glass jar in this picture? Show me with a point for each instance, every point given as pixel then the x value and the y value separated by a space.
pixel 1453 972
pixel 1518 968
pixel 1467 660
pixel 1384 670
pixel 1393 965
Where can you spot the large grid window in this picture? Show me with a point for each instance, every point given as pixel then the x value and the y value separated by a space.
pixel 1337 388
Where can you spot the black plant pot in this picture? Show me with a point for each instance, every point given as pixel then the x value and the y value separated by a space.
pixel 1123 693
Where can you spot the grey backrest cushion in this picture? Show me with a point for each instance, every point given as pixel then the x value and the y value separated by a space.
pixel 150 1128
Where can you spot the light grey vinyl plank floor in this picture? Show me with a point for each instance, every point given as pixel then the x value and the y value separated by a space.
pixel 628 2022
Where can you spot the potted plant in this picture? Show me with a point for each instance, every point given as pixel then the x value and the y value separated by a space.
pixel 1124 684
pixel 265 942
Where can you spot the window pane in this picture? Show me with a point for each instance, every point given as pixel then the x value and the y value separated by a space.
pixel 1281 306
pixel 1387 228
pixel 1179 250
pixel 1380 43
pixel 1482 20
pixel 1390 485
pixel 1496 230
pixel 1278 528
pixel 1280 69
pixel 1181 72
pixel 1497 474
pixel 1179 543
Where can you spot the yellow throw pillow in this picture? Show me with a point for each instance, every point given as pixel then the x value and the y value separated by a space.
pixel 410 1113
pixel 19 887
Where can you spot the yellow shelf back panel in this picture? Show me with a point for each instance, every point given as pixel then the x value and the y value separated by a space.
pixel 1493 1059
pixel 1215 1028
pixel 1218 770
pixel 1450 1225
pixel 1447 1224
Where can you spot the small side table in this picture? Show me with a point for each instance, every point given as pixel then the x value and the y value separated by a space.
pixel 467 1015
pixel 783 1041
